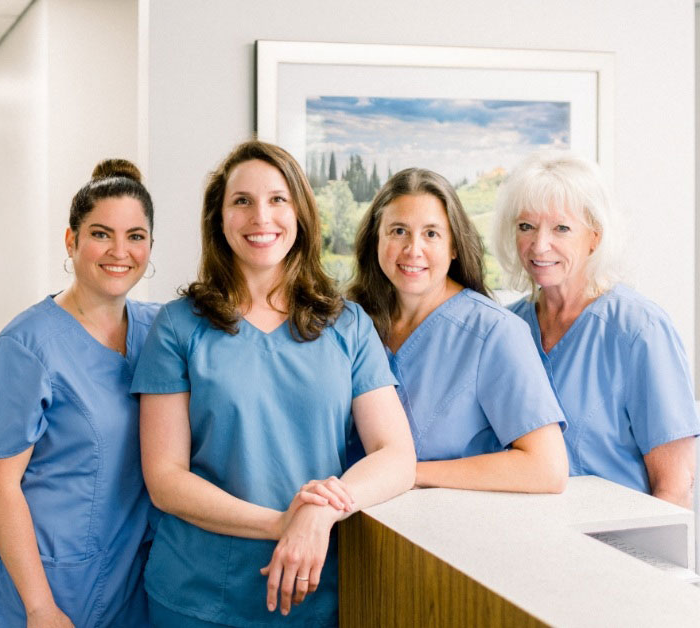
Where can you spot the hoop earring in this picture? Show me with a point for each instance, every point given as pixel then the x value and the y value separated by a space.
pixel 152 266
pixel 68 262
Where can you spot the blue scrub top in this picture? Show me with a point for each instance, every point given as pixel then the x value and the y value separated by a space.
pixel 471 381
pixel 267 415
pixel 622 378
pixel 68 395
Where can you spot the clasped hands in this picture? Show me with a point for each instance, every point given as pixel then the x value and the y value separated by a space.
pixel 304 531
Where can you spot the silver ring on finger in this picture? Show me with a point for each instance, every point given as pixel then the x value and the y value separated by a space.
pixel 302 578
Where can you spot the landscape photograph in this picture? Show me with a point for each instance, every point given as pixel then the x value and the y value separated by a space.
pixel 354 144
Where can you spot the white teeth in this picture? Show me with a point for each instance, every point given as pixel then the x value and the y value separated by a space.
pixel 263 238
pixel 410 269
pixel 116 269
pixel 536 263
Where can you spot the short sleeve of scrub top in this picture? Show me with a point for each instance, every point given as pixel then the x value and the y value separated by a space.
pixel 23 421
pixel 512 386
pixel 162 368
pixel 471 381
pixel 659 396
pixel 267 414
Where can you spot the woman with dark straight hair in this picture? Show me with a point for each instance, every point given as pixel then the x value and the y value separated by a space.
pixel 250 385
pixel 478 401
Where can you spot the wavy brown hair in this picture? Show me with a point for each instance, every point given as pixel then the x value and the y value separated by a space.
pixel 221 290
pixel 370 286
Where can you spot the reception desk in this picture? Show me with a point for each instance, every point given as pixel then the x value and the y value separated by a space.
pixel 442 557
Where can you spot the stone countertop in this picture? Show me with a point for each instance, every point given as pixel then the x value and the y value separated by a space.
pixel 533 551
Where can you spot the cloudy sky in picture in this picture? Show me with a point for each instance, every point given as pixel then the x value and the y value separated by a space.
pixel 457 138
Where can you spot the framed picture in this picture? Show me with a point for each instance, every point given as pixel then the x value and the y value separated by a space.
pixel 353 114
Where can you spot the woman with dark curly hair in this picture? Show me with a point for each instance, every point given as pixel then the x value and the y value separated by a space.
pixel 250 385
pixel 478 401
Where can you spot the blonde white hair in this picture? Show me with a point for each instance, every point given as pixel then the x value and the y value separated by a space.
pixel 556 180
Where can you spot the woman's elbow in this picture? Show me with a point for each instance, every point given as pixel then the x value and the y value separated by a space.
pixel 407 468
pixel 158 491
pixel 558 472
pixel 558 482
pixel 156 498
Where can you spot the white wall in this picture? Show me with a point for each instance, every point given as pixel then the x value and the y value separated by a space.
pixel 23 164
pixel 68 98
pixel 201 77
pixel 697 206
pixel 92 92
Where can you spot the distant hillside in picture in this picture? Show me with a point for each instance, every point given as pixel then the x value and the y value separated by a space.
pixel 478 199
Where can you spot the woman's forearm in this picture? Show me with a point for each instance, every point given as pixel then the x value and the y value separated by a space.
pixel 186 495
pixel 165 460
pixel 537 463
pixel 381 475
pixel 389 468
pixel 19 551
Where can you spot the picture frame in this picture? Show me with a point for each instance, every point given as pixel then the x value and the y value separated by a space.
pixel 300 86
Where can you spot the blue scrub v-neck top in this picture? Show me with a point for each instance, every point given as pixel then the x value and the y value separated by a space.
pixel 471 381
pixel 68 395
pixel 622 378
pixel 267 414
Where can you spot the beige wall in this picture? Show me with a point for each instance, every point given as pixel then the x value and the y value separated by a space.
pixel 201 78
pixel 194 78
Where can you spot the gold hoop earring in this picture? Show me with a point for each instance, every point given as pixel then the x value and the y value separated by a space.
pixel 68 262
pixel 152 266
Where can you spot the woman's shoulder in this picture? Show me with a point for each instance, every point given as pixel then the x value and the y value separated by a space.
pixel 180 311
pixel 179 318
pixel 521 307
pixel 143 312
pixel 478 313
pixel 351 317
pixel 37 324
pixel 628 312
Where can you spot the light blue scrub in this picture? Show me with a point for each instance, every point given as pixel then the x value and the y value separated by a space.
pixel 68 395
pixel 267 414
pixel 470 380
pixel 622 378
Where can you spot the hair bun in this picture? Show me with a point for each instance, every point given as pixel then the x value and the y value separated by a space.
pixel 116 168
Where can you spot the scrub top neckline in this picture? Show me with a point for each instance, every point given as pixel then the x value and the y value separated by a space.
pixel 74 322
pixel 569 332
pixel 284 323
pixel 418 331
pixel 271 341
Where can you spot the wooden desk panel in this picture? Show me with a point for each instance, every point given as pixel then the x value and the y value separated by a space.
pixel 386 580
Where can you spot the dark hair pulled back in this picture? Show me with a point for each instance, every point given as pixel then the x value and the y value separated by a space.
pixel 111 178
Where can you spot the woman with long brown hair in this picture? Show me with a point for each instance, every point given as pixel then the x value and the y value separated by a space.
pixel 250 385
pixel 478 401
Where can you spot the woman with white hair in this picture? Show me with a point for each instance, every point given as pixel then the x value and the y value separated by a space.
pixel 613 357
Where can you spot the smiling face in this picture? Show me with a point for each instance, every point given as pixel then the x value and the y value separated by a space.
pixel 554 248
pixel 112 247
pixel 258 217
pixel 415 245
